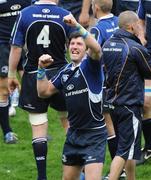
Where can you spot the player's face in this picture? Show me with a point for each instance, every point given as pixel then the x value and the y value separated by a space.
pixel 137 29
pixel 77 49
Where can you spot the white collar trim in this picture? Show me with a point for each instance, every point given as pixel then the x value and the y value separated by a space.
pixel 106 17
pixel 46 2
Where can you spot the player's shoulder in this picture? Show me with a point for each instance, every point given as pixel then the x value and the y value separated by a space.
pixel 39 8
pixel 62 10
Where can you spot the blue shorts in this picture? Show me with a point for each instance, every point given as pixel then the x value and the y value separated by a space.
pixel 29 99
pixel 4 57
pixel 127 123
pixel 84 147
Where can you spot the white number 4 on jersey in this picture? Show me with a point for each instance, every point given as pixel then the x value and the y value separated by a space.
pixel 43 37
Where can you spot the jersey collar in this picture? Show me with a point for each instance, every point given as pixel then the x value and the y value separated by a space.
pixel 106 17
pixel 46 2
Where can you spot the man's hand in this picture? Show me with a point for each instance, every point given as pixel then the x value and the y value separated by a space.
pixel 84 19
pixel 13 83
pixel 45 60
pixel 70 20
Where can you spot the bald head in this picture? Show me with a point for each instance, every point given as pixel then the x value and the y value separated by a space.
pixel 127 18
pixel 105 5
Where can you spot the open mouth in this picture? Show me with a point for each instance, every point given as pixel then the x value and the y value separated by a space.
pixel 75 52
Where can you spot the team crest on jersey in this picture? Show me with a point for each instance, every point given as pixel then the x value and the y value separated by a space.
pixel 46 10
pixel 15 7
pixel 113 44
pixel 70 87
pixel 65 77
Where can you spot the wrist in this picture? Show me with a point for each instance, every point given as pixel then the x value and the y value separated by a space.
pixel 82 31
pixel 41 73
pixel 85 12
pixel 11 74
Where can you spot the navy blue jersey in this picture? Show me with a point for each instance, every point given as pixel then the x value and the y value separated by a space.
pixel 127 64
pixel 104 28
pixel 41 28
pixel 82 87
pixel 144 13
pixel 123 5
pixel 9 9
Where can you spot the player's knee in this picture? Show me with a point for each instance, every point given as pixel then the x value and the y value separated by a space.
pixel 38 119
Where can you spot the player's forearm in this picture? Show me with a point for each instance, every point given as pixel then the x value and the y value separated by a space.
pixel 14 59
pixel 44 87
pixel 86 6
pixel 91 43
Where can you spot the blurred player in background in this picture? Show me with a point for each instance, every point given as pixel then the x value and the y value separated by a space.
pixel 144 13
pixel 8 12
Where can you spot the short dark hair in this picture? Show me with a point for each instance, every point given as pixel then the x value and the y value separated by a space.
pixel 75 35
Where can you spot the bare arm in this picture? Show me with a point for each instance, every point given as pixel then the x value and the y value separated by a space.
pixel 141 35
pixel 14 58
pixel 94 47
pixel 45 88
pixel 84 17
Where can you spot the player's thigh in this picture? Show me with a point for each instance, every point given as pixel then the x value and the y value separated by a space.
pixel 71 172
pixel 3 89
pixel 93 171
pixel 147 100
pixel 4 56
pixel 3 83
pixel 129 131
pixel 109 124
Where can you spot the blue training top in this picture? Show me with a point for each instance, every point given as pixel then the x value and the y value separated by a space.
pixel 104 28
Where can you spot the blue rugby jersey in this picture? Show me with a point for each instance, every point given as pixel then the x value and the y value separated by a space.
pixel 144 13
pixel 8 12
pixel 82 87
pixel 41 28
pixel 104 28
